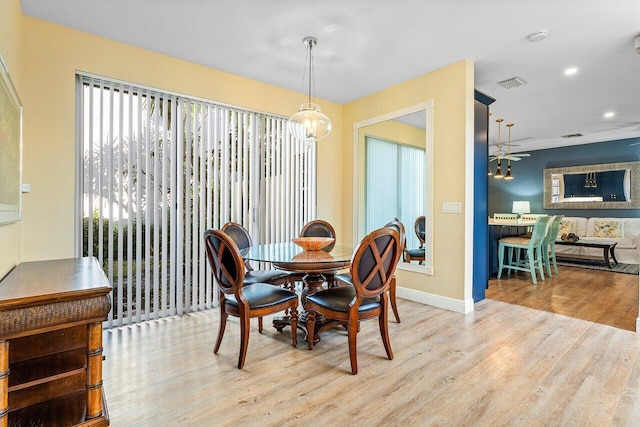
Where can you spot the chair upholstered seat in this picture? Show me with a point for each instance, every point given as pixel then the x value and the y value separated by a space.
pixel 262 295
pixel 517 240
pixel 415 253
pixel 339 297
pixel 265 276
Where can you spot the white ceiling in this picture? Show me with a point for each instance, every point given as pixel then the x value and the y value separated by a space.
pixel 368 45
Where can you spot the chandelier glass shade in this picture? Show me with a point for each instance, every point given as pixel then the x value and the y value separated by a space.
pixel 309 124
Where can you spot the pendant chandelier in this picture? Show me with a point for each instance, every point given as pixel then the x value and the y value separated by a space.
pixel 498 171
pixel 508 175
pixel 309 124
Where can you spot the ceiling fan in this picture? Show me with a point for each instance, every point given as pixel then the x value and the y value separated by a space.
pixel 502 155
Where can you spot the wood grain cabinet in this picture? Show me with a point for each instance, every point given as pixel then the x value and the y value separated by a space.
pixel 51 315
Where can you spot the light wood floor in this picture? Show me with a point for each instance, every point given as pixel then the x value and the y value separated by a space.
pixel 595 295
pixel 501 365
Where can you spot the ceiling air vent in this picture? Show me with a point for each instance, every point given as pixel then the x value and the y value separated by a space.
pixel 512 82
pixel 572 135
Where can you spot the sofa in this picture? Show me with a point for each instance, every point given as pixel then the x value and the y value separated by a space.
pixel 624 231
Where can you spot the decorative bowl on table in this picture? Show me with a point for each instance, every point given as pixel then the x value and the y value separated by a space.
pixel 313 256
pixel 313 243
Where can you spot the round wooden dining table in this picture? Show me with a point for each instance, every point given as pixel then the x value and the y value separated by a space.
pixel 289 257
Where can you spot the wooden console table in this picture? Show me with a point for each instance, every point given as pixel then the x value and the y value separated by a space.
pixel 51 315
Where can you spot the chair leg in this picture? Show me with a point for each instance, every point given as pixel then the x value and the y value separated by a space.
pixel 223 324
pixel 260 324
pixel 294 325
pixel 352 332
pixel 392 297
pixel 245 325
pixel 311 325
pixel 540 262
pixel 553 257
pixel 500 259
pixel 546 260
pixel 510 259
pixel 384 333
pixel 532 266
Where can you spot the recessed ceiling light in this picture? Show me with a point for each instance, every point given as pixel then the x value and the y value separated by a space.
pixel 570 71
pixel 609 114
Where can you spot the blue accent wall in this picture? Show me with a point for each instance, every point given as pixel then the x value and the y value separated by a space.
pixel 528 176
pixel 480 227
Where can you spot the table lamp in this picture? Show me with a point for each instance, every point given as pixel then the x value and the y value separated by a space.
pixel 521 207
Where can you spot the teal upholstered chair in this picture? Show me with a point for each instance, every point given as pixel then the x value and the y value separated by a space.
pixel 549 244
pixel 533 245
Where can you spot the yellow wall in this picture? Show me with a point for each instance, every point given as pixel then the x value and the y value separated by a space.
pixel 451 89
pixel 52 55
pixel 44 58
pixel 11 51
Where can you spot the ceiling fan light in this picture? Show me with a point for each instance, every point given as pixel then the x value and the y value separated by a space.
pixel 309 124
pixel 508 174
pixel 498 174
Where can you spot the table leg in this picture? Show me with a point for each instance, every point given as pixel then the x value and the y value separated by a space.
pixel 606 256
pixel 312 282
pixel 613 253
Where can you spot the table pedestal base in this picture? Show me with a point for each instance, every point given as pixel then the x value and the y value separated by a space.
pixel 312 282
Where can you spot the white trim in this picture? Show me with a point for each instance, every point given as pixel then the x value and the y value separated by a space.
pixel 456 305
pixel 428 107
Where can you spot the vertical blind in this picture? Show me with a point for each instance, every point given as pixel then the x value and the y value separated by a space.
pixel 395 185
pixel 158 169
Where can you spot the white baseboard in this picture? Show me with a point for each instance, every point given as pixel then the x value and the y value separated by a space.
pixel 637 324
pixel 459 306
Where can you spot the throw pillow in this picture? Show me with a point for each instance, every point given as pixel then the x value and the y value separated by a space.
pixel 565 227
pixel 612 229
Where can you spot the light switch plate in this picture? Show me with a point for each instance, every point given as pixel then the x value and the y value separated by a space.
pixel 452 207
pixel 26 188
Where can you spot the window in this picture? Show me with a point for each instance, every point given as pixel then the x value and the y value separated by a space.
pixel 157 169
pixel 394 185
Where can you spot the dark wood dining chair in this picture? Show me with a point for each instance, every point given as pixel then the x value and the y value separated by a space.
pixel 320 228
pixel 372 267
pixel 240 300
pixel 346 277
pixel 417 254
pixel 242 239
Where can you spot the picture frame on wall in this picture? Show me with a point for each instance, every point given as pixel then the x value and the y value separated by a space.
pixel 10 149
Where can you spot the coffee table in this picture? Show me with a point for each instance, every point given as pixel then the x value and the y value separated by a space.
pixel 608 250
